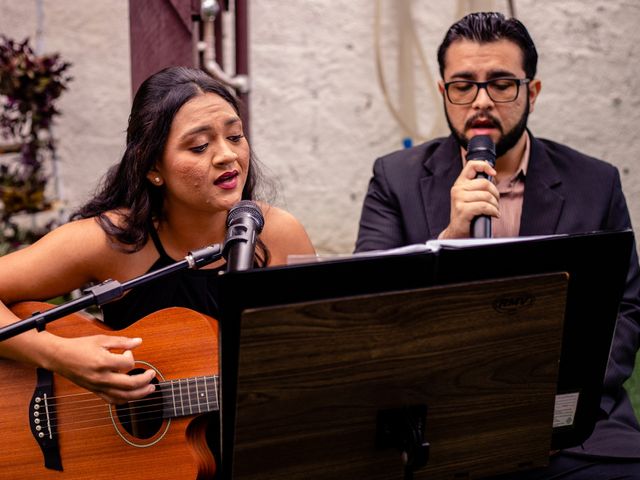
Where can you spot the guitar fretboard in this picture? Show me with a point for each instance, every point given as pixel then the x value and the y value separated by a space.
pixel 189 396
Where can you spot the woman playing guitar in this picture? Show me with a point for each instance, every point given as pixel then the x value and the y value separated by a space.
pixel 186 163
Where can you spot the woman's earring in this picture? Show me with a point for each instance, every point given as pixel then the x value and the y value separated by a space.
pixel 157 180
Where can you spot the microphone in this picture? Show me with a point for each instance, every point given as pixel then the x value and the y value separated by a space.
pixel 244 224
pixel 481 147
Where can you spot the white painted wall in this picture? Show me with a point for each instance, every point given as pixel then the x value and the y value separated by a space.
pixel 94 37
pixel 318 117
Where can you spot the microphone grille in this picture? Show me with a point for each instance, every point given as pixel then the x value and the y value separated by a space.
pixel 481 147
pixel 246 208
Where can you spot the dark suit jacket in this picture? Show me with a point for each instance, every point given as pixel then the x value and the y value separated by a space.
pixel 408 202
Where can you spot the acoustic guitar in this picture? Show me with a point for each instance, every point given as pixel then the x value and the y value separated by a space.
pixel 52 428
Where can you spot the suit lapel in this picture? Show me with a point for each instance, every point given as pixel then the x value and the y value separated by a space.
pixel 543 200
pixel 440 172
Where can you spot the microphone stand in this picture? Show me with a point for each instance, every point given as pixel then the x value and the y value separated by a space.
pixel 108 291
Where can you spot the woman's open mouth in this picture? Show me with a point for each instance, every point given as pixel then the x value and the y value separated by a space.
pixel 227 180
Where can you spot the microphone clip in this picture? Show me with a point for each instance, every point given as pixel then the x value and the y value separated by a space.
pixel 235 234
pixel 204 256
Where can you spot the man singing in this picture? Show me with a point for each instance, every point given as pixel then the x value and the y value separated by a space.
pixel 489 87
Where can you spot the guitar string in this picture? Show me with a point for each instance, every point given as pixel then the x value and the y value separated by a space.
pixel 141 406
pixel 107 422
pixel 161 386
pixel 75 422
pixel 186 406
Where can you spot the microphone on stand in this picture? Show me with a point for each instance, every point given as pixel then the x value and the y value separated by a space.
pixel 244 224
pixel 481 147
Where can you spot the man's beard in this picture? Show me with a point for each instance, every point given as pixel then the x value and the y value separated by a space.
pixel 506 141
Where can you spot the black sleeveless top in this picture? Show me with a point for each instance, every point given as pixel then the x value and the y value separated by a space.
pixel 194 289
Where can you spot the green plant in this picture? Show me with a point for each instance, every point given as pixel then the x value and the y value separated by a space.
pixel 30 85
pixel 633 387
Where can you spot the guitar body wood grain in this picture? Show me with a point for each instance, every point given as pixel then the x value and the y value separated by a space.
pixel 177 342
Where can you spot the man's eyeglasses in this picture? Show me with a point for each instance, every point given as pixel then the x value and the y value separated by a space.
pixel 500 90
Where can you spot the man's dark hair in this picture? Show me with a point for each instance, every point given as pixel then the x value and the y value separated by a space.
pixel 486 27
pixel 125 187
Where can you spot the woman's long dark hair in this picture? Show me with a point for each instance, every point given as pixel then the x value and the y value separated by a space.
pixel 125 186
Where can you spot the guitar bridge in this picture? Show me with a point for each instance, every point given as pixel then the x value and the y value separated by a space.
pixel 42 420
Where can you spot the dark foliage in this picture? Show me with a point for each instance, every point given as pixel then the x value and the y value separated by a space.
pixel 30 85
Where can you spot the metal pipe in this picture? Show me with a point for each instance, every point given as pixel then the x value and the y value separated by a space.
pixel 242 56
pixel 209 10
pixel 218 31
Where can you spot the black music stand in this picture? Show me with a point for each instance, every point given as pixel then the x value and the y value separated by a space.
pixel 409 352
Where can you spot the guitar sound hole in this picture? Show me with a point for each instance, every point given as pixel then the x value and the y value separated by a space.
pixel 142 418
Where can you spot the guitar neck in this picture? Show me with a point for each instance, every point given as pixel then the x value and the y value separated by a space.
pixel 189 396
